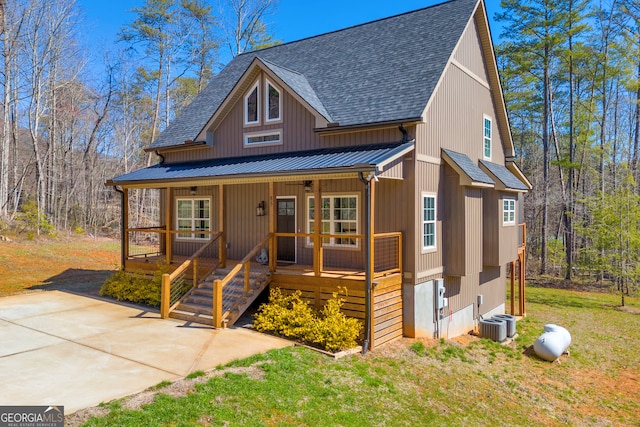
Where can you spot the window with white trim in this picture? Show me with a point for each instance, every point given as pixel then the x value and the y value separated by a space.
pixel 272 137
pixel 273 108
pixel 339 215
pixel 252 106
pixel 428 221
pixel 193 215
pixel 487 138
pixel 508 212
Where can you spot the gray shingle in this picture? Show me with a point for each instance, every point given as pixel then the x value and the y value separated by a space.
pixel 504 175
pixel 469 167
pixel 325 160
pixel 385 70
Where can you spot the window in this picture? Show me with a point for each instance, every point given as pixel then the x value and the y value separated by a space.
pixel 339 215
pixel 272 99
pixel 264 138
pixel 428 222
pixel 508 212
pixel 487 137
pixel 251 110
pixel 193 215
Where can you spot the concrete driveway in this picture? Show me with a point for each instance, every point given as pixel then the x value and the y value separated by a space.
pixel 63 349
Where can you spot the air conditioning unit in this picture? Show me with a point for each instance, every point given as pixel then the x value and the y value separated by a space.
pixel 511 323
pixel 494 329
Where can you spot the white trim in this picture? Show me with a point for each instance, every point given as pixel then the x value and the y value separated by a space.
pixel 193 232
pixel 484 137
pixel 511 201
pixel 425 194
pixel 471 74
pixel 273 132
pixel 256 87
pixel 268 83
pixel 295 208
pixel 429 159
pixel 331 197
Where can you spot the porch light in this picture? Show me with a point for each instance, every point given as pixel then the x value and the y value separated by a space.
pixel 193 191
pixel 260 209
pixel 308 186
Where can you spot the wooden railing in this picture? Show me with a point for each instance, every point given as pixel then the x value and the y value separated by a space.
pixel 218 285
pixel 523 234
pixel 145 242
pixel 176 284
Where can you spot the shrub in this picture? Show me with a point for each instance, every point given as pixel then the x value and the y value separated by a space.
pixel 290 316
pixel 32 221
pixel 131 287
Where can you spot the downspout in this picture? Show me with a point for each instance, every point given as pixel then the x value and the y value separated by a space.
pixel 367 255
pixel 122 230
pixel 405 136
pixel 161 157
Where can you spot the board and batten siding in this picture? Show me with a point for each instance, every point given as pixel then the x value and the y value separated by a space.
pixel 469 52
pixel 429 262
pixel 296 128
pixel 454 122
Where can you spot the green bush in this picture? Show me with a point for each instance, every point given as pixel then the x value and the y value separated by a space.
pixel 290 316
pixel 32 221
pixel 131 287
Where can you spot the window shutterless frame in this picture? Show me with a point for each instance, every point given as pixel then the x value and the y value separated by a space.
pixel 193 214
pixel 487 141
pixel 272 102
pixel 339 216
pixel 252 105
pixel 429 218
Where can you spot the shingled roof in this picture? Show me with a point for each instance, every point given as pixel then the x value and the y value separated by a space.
pixel 381 71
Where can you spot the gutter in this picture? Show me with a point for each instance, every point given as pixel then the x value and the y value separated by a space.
pixel 391 123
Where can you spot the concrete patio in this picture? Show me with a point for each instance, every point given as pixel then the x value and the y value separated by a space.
pixel 64 349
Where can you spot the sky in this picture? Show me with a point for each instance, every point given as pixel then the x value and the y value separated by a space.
pixel 292 20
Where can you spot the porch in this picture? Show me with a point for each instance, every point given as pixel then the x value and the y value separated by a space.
pixel 213 288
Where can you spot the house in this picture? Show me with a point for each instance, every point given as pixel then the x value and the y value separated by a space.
pixel 396 129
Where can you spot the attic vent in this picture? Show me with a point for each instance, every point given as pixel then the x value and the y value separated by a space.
pixel 494 329
pixel 511 323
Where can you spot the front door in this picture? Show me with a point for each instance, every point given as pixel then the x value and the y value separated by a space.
pixel 286 223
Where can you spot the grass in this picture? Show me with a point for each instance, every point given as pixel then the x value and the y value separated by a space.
pixel 418 382
pixel 76 264
pixel 465 381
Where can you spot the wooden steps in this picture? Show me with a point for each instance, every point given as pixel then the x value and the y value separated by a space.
pixel 197 305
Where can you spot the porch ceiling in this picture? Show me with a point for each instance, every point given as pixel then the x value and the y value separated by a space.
pixel 339 162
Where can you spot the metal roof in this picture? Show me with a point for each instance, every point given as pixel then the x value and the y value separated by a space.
pixel 504 175
pixel 322 161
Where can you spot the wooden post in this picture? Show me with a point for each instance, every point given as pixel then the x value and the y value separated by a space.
pixel 273 244
pixel 222 248
pixel 513 287
pixel 521 257
pixel 195 272
pixel 247 276
pixel 317 225
pixel 167 235
pixel 217 303
pixel 125 225
pixel 165 296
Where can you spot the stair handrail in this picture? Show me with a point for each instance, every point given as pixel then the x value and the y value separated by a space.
pixel 220 283
pixel 167 279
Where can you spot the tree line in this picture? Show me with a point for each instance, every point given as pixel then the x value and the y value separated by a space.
pixel 71 121
pixel 570 71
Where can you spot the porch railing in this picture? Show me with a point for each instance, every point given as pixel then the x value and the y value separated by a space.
pixel 218 285
pixel 523 234
pixel 145 242
pixel 387 252
pixel 175 285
